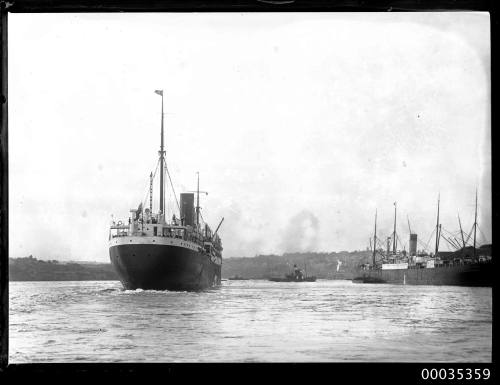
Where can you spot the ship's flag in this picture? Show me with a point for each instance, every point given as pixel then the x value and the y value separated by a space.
pixel 159 92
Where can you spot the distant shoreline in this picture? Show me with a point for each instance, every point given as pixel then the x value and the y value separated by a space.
pixel 63 280
pixel 321 265
pixel 32 269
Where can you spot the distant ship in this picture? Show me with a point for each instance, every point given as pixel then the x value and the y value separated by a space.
pixel 153 253
pixel 467 266
pixel 296 276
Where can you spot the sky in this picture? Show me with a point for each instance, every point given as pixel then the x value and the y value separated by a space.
pixel 301 126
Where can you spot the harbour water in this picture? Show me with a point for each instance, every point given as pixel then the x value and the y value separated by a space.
pixel 249 321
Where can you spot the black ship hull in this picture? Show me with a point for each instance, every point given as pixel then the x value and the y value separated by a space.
pixel 480 274
pixel 164 267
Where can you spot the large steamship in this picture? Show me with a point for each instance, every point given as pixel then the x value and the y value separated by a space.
pixel 466 266
pixel 151 252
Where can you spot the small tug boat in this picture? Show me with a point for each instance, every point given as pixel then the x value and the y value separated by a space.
pixel 296 276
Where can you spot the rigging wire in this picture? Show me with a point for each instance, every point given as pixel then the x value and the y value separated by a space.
pixel 172 185
pixel 453 238
pixel 470 234
pixel 485 240
pixel 380 245
pixel 449 232
pixel 202 217
pixel 423 245
pixel 429 241
pixel 400 241
pixel 450 241
pixel 447 240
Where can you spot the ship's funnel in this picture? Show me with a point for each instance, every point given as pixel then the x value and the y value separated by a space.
pixel 389 245
pixel 187 209
pixel 413 244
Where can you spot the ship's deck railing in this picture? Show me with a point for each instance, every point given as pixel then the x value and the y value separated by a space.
pixel 168 231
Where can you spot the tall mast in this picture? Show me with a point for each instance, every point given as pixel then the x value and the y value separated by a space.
pixel 151 193
pixel 475 225
pixel 198 200
pixel 461 232
pixel 162 155
pixel 375 239
pixel 439 238
pixel 394 234
pixel 437 230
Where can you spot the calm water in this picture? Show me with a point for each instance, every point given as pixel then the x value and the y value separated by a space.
pixel 249 321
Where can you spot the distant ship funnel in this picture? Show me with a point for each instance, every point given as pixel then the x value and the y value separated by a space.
pixel 187 209
pixel 413 244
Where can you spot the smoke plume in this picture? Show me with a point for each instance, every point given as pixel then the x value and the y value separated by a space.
pixel 301 233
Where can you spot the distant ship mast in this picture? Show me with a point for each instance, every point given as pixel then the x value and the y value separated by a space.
pixel 394 234
pixel 461 231
pixel 475 225
pixel 374 240
pixel 198 199
pixel 438 227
